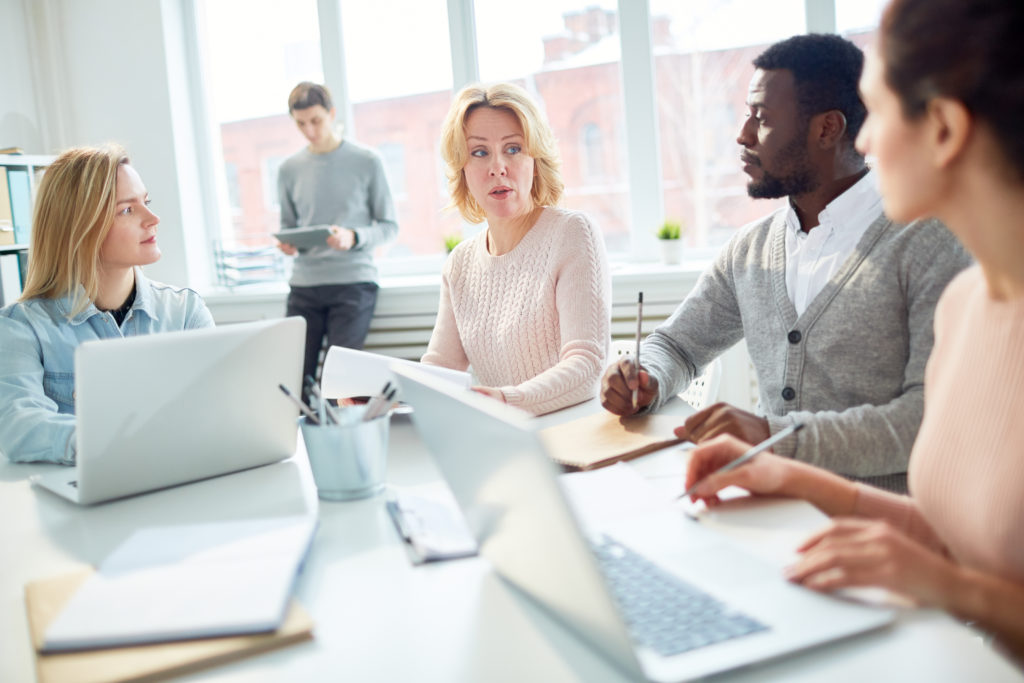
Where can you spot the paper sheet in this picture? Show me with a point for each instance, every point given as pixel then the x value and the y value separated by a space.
pixel 348 372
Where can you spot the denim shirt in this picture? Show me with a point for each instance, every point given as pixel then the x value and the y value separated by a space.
pixel 37 361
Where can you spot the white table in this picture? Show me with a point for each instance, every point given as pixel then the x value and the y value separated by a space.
pixel 378 618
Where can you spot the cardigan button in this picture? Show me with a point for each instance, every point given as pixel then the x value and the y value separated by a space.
pixel 794 336
pixel 788 393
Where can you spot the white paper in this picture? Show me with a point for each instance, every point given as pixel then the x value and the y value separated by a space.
pixel 348 372
pixel 188 581
pixel 432 523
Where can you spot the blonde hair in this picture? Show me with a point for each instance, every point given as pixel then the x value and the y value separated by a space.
pixel 74 210
pixel 540 144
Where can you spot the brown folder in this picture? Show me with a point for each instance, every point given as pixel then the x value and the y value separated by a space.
pixel 44 600
pixel 602 439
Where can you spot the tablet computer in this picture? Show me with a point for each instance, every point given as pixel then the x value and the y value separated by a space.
pixel 305 238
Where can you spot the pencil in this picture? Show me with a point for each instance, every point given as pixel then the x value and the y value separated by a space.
pixel 636 358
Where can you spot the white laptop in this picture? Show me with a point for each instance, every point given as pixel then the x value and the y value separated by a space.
pixel 510 493
pixel 165 409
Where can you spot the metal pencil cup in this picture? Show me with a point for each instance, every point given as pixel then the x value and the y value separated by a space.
pixel 349 460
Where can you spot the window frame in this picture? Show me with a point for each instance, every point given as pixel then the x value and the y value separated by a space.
pixel 646 204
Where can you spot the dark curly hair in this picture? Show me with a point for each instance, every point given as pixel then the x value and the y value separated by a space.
pixel 826 70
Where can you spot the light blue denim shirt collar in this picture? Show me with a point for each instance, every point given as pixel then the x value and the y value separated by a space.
pixel 143 303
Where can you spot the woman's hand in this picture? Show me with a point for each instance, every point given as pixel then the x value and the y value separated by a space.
pixel 765 474
pixel 859 552
pixel 491 392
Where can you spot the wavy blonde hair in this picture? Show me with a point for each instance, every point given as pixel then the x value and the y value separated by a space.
pixel 74 210
pixel 540 144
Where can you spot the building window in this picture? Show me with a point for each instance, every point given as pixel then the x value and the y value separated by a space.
pixel 592 152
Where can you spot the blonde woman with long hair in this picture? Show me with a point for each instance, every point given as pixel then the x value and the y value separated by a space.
pixel 92 229
pixel 527 302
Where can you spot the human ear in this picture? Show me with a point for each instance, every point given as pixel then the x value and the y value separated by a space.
pixel 948 128
pixel 831 126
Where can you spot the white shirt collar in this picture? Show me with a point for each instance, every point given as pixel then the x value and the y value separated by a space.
pixel 859 206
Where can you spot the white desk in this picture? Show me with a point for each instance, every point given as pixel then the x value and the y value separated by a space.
pixel 378 618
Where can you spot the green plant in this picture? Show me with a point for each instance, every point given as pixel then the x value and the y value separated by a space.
pixel 670 230
pixel 451 241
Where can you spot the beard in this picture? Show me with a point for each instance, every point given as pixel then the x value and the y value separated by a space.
pixel 798 176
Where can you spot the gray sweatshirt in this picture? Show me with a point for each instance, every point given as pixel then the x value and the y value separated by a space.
pixel 851 367
pixel 345 187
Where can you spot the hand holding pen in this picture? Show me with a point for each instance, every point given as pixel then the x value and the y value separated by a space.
pixel 719 456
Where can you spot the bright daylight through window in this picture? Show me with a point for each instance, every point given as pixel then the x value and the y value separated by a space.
pixel 567 53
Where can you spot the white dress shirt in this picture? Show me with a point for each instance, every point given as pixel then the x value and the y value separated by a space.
pixel 813 257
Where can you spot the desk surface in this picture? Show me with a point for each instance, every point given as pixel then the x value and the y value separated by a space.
pixel 379 618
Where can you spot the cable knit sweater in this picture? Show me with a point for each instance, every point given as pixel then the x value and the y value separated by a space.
pixel 966 470
pixel 535 322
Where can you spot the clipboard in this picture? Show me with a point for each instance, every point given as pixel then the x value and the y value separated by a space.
pixel 44 599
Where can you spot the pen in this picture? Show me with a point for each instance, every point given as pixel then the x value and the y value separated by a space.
pixel 636 358
pixel 759 448
pixel 373 407
pixel 310 415
pixel 382 406
pixel 326 408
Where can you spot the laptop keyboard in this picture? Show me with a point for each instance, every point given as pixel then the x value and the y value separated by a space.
pixel 662 611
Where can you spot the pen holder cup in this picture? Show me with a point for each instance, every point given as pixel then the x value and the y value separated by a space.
pixel 349 460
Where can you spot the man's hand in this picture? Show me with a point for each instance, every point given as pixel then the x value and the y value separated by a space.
pixel 618 384
pixel 722 418
pixel 289 249
pixel 341 239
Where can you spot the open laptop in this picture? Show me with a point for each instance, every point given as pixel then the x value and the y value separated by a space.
pixel 509 491
pixel 165 409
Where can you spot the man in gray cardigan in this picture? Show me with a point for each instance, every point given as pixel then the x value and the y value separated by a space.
pixel 834 299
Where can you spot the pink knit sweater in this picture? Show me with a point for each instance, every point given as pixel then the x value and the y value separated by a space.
pixel 534 322
pixel 966 474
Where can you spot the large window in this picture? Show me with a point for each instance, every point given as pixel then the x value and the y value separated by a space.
pixel 255 51
pixel 394 64
pixel 567 54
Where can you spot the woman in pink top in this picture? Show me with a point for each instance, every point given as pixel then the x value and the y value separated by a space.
pixel 526 304
pixel 944 94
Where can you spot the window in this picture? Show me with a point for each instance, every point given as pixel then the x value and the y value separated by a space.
pixel 400 85
pixel 702 62
pixel 566 53
pixel 255 51
pixel 592 152
pixel 391 67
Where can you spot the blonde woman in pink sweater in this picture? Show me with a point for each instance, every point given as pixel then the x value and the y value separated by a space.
pixel 527 302
pixel 944 94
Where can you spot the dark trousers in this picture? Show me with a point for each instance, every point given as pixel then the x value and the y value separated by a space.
pixel 342 313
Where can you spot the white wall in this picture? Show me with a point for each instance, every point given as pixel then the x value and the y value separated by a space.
pixel 19 115
pixel 90 71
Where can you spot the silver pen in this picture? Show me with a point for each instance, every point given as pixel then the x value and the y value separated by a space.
pixel 636 356
pixel 754 450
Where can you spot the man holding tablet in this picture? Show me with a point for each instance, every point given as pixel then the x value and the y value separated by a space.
pixel 335 196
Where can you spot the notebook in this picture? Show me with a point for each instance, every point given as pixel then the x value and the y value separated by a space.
pixel 153 662
pixel 351 373
pixel 508 489
pixel 602 439
pixel 165 409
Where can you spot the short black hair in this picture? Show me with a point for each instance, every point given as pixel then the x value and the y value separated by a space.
pixel 826 70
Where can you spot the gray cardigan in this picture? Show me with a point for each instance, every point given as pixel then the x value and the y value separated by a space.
pixel 851 367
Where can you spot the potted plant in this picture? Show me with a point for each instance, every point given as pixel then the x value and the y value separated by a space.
pixel 450 242
pixel 669 239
